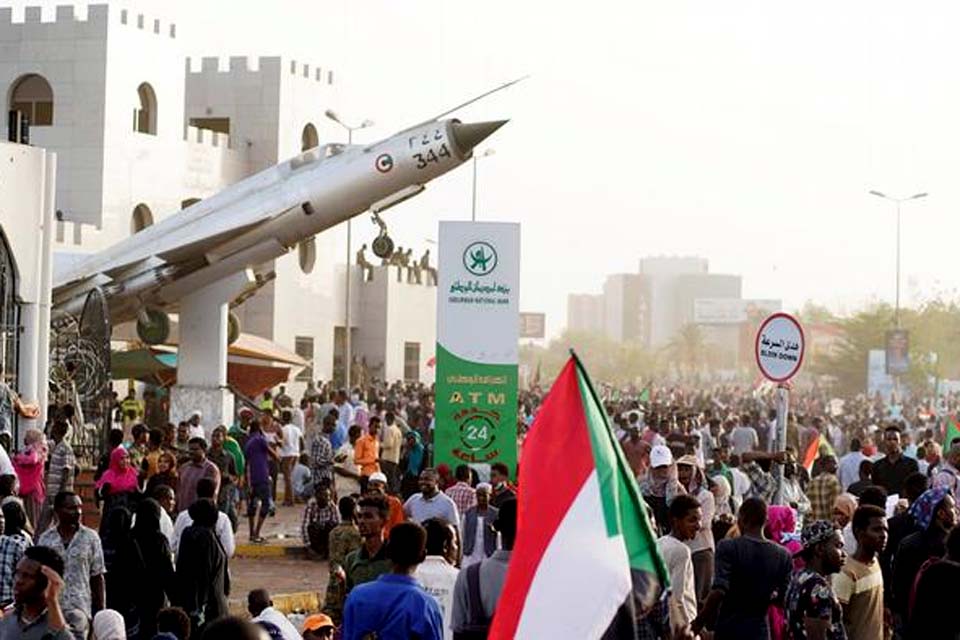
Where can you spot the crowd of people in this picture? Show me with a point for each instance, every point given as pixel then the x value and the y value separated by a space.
pixel 859 540
pixel 855 543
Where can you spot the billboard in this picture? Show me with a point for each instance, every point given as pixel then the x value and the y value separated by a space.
pixel 478 322
pixel 533 325
pixel 731 310
pixel 878 380
pixel 898 352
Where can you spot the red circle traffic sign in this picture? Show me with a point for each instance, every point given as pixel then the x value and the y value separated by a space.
pixel 779 347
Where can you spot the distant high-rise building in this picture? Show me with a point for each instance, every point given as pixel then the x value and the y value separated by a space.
pixel 585 312
pixel 667 293
pixel 625 307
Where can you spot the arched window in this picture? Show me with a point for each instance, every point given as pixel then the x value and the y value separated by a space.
pixel 33 97
pixel 9 314
pixel 141 219
pixel 145 118
pixel 309 138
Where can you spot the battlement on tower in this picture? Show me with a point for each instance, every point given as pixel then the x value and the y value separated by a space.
pixel 196 135
pixel 68 21
pixel 243 65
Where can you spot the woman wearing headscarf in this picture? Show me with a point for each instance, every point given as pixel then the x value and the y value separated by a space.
pixel 124 567
pixel 202 583
pixel 935 514
pixel 781 528
pixel 166 473
pixel 722 495
pixel 446 477
pixel 119 486
pixel 29 464
pixel 412 464
pixel 693 480
pixel 843 508
pixel 155 553
pixel 108 625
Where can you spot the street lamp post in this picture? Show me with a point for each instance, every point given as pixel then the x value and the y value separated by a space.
pixel 485 154
pixel 348 356
pixel 898 201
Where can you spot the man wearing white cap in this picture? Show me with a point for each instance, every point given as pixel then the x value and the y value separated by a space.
pixel 479 537
pixel 661 485
pixel 194 428
pixel 377 484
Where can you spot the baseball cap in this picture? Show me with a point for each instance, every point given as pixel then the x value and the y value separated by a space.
pixel 689 460
pixel 660 456
pixel 378 476
pixel 316 622
pixel 814 533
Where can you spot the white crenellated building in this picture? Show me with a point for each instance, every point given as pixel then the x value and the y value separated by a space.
pixel 141 131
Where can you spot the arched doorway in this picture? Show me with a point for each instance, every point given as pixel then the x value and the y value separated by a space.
pixel 32 96
pixel 145 118
pixel 141 219
pixel 309 138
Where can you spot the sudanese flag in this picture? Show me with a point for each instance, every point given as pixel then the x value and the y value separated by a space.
pixel 585 558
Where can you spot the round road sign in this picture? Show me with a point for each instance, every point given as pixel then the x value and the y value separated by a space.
pixel 779 347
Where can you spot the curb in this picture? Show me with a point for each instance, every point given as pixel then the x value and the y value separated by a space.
pixel 269 551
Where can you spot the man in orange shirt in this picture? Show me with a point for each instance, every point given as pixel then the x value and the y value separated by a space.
pixel 378 486
pixel 366 453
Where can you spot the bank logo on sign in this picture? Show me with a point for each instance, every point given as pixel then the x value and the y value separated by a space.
pixel 480 258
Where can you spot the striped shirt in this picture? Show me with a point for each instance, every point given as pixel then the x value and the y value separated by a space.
pixel 11 551
pixel 61 471
pixel 463 495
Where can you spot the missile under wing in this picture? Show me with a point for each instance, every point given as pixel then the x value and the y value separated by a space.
pixel 264 216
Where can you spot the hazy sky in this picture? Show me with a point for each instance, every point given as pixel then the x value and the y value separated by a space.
pixel 745 132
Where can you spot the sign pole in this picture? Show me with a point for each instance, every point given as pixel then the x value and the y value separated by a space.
pixel 779 347
pixel 783 407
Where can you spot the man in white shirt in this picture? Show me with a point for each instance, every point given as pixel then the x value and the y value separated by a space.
pixel 345 411
pixel 6 466
pixel 194 426
pixel 431 502
pixel 261 608
pixel 391 442
pixel 290 449
pixel 685 517
pixel 168 502
pixel 480 540
pixel 744 438
pixel 849 468
pixel 224 530
pixel 437 573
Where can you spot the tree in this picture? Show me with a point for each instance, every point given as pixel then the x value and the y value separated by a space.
pixel 687 349
pixel 933 328
pixel 609 361
pixel 813 313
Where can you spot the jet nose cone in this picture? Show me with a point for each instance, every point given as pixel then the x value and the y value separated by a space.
pixel 468 135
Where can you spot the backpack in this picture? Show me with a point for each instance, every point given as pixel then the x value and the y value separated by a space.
pixel 479 624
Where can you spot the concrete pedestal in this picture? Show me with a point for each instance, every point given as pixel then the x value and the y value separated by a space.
pixel 215 403
pixel 202 355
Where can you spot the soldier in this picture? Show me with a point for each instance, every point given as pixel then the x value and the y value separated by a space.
pixel 426 268
pixel 366 269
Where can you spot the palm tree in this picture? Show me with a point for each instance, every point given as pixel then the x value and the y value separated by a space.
pixel 687 347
